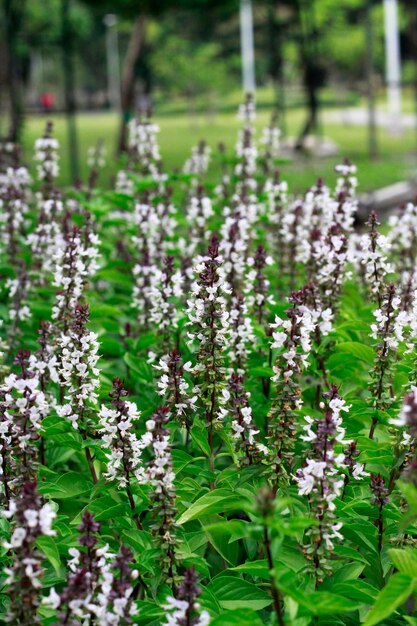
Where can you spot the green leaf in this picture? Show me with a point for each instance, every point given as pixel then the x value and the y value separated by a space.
pixel 326 603
pixel 54 425
pixel 342 364
pixel 69 485
pixel 147 612
pixel 350 553
pixel 234 593
pixel 39 310
pixel 410 493
pixel 107 508
pixel 110 347
pixel 254 568
pixel 199 435
pixel 47 546
pixel 116 277
pixel 198 562
pixel 103 310
pixel 358 590
pixel 209 601
pixel 180 460
pixel 265 372
pixel 137 539
pixel 358 350
pixel 145 341
pixel 217 501
pixel 397 590
pixel 139 366
pixel 239 617
pixel 405 561
pixel 219 537
pixel 317 603
pixel 350 571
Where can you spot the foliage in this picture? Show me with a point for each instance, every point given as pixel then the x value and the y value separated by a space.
pixel 207 402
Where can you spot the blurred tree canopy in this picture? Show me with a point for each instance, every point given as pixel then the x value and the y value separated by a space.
pixel 191 48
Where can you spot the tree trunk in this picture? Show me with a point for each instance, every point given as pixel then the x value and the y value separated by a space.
pixel 369 67
pixel 13 11
pixel 313 107
pixel 128 77
pixel 412 35
pixel 276 63
pixel 313 71
pixel 69 88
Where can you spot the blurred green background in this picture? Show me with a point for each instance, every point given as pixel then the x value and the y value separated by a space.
pixel 183 59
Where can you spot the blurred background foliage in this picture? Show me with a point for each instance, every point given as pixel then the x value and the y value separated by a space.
pixel 182 57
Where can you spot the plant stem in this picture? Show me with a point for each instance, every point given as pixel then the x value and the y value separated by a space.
pixel 276 596
pixel 380 528
pixel 90 460
pixel 132 506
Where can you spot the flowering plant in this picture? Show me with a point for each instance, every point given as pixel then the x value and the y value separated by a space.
pixel 208 393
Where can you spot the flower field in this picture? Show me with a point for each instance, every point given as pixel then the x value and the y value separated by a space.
pixel 208 410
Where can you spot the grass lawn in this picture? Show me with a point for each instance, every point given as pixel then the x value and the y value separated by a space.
pixel 180 132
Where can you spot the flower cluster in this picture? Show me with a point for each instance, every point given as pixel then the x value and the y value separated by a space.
pixel 19 290
pixel 165 286
pixel 405 444
pixel 14 208
pixel 46 241
pixel 199 161
pixel 209 321
pixel 402 238
pixel 257 287
pixel 124 448
pixel 320 479
pixel 293 338
pixel 388 332
pixel 199 210
pixel 235 238
pixel 347 208
pixel 145 270
pixel 44 362
pixel 30 520
pixel 99 586
pixel 96 156
pixel 46 156
pixel 76 261
pixel 115 601
pixel 178 394
pixel 244 430
pixel 184 610
pixel 78 372
pixel 241 335
pixel 270 144
pixel 155 226
pixel 355 470
pixel 23 405
pixel 329 258
pixel 372 257
pixel 347 180
pixel 161 477
pixel 143 146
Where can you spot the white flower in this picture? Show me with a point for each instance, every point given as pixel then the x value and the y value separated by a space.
pixel 53 600
pixel 18 537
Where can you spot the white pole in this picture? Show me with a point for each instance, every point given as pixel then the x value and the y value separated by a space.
pixel 393 63
pixel 247 47
pixel 113 63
